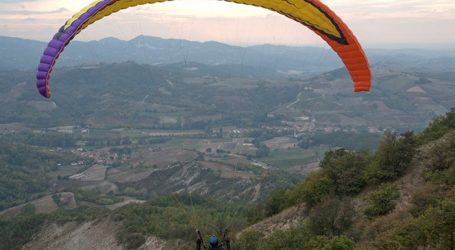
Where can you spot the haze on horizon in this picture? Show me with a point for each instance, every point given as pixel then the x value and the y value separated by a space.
pixel 377 23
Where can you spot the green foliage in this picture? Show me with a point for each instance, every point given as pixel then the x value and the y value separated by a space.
pixel 331 243
pixel 21 178
pixel 15 232
pixel 177 218
pixel 187 102
pixel 287 158
pixel 276 202
pixel 56 199
pixel 134 240
pixel 294 238
pixel 52 139
pixel 347 140
pixel 439 224
pixel 393 157
pixel 263 150
pixel 382 201
pixel 332 217
pixel 434 228
pixel 347 173
pixel 346 170
pixel 429 224
pixel 99 141
pixel 299 237
pixel 250 240
pixel 24 168
pixel 312 190
pixel 438 128
pixel 18 186
pixel 255 213
pixel 440 167
pixel 428 196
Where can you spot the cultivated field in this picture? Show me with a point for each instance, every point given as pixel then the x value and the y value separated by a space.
pixel 281 143
pixel 226 171
pixel 285 158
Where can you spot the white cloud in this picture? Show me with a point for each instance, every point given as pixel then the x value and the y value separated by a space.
pixel 374 21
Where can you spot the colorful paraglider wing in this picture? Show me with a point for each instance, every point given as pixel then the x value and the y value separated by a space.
pixel 311 13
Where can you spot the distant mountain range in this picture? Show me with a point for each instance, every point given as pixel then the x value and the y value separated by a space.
pixel 24 54
pixel 171 84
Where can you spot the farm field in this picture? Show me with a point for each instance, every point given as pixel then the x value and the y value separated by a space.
pixel 285 158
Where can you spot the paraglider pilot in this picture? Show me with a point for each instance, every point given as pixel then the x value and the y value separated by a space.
pixel 214 243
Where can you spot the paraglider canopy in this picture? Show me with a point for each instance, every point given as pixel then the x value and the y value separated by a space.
pixel 311 13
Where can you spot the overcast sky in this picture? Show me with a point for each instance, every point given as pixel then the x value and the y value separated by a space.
pixel 377 23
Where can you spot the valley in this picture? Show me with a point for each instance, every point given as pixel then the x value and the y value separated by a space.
pixel 142 151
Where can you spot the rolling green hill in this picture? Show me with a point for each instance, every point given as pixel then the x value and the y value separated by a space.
pixel 194 96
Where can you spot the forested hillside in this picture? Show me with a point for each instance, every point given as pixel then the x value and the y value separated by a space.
pixel 400 197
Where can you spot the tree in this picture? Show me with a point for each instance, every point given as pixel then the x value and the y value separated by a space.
pixel 263 151
pixel 438 127
pixel 294 238
pixel 439 225
pixel 332 217
pixel 382 201
pixel 334 243
pixel 346 170
pixel 312 190
pixel 276 202
pixel 249 240
pixel 392 157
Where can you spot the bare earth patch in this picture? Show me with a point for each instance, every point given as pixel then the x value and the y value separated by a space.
pixel 126 201
pixel 74 236
pixel 43 205
pixel 226 171
pixel 95 173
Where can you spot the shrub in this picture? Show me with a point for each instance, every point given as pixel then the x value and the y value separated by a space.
pixel 249 241
pixel 334 243
pixel 382 201
pixel 331 217
pixel 443 155
pixel 294 238
pixel 438 224
pixel 346 170
pixel 134 240
pixel 276 202
pixel 432 229
pixel 56 199
pixel 312 190
pixel 438 128
pixel 15 232
pixel 393 157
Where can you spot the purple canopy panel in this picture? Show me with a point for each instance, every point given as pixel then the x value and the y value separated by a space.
pixel 58 44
